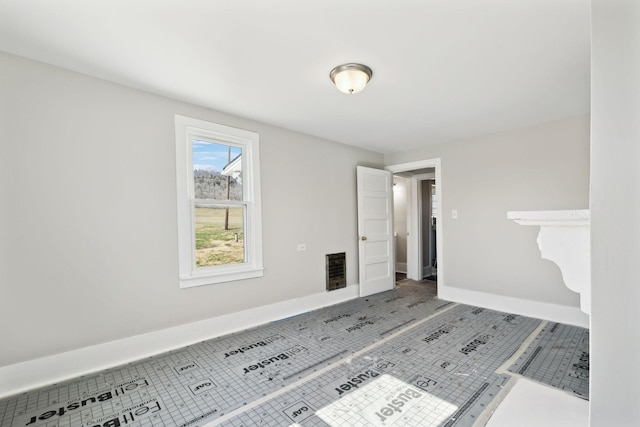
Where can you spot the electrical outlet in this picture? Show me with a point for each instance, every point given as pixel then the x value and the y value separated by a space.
pixel 454 214
pixel 302 247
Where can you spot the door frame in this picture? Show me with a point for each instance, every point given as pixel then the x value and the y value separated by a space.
pixel 414 267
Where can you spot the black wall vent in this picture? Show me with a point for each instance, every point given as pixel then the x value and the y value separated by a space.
pixel 336 271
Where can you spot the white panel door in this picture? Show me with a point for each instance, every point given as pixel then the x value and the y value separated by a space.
pixel 375 229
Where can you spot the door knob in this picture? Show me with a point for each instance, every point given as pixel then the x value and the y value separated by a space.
pixel 363 238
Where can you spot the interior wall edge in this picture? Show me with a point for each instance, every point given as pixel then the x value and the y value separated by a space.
pixel 23 376
pixel 541 310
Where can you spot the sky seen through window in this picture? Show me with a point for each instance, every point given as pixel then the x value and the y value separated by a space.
pixel 211 156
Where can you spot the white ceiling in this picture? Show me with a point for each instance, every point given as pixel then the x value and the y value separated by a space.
pixel 443 69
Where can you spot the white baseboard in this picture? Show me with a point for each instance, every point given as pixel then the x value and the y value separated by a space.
pixel 427 271
pixel 401 267
pixel 541 310
pixel 47 370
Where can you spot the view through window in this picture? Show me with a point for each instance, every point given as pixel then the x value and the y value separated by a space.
pixel 218 195
pixel 219 209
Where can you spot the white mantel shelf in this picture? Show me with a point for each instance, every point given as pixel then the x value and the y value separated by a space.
pixel 567 218
pixel 564 238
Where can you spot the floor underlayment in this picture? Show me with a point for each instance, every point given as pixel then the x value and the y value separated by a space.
pixel 402 358
pixel 558 356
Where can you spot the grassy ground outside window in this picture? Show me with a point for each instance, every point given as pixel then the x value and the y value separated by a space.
pixel 214 244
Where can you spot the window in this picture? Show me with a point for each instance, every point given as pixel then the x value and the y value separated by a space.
pixel 219 219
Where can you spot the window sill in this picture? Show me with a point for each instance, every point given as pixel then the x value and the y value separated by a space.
pixel 213 278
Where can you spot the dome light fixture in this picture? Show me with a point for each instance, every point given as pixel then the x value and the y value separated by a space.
pixel 351 78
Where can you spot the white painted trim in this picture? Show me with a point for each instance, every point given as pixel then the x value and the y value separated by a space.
pixel 564 238
pixel 401 267
pixel 425 176
pixel 411 166
pixel 186 129
pixel 47 370
pixel 541 310
pixel 563 218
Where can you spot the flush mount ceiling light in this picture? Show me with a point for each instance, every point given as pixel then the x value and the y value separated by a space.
pixel 351 78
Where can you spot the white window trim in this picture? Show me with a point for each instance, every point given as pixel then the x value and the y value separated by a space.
pixel 186 129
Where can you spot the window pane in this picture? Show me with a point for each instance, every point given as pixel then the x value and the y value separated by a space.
pixel 217 171
pixel 215 243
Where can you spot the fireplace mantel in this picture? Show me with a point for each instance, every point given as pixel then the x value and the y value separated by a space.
pixel 564 239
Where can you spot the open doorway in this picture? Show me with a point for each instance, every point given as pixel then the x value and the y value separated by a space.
pixel 428 198
pixel 417 230
pixel 425 201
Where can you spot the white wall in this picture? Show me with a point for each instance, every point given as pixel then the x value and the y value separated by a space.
pixel 400 191
pixel 615 213
pixel 427 227
pixel 536 168
pixel 88 247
